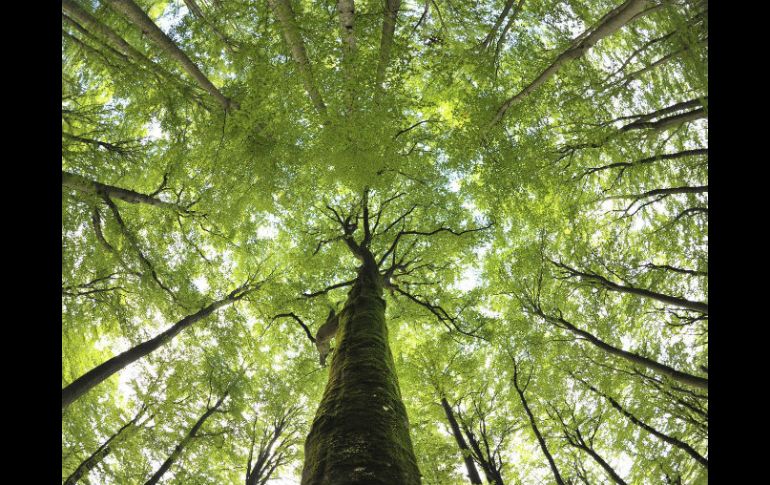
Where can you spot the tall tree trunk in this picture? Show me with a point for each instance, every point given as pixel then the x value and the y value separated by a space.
pixel 95 376
pixel 179 448
pixel 75 12
pixel 136 16
pixel 473 473
pixel 360 433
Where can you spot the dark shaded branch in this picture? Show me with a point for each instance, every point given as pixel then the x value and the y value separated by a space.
pixel 192 434
pixel 645 161
pixel 533 424
pixel 473 473
pixel 605 283
pixel 676 270
pixel 328 289
pixel 437 311
pixel 298 320
pixel 663 437
pixel 105 449
pixel 95 376
pixel 653 365
pixel 135 244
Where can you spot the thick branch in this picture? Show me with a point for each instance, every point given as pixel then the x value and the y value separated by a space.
pixel 644 161
pixel 653 365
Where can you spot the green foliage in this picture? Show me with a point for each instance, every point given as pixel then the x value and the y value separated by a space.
pixel 562 179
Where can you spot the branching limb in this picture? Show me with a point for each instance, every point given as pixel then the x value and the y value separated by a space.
pixel 299 321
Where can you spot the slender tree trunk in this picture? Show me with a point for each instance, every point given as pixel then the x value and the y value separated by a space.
pixel 473 473
pixel 606 466
pixel 179 448
pixel 136 16
pixel 285 15
pixel 386 39
pixel 540 439
pixel 101 452
pixel 360 433
pixel 493 476
pixel 75 12
pixel 632 290
pixel 78 182
pixel 95 376
pixel 608 25
pixel 662 436
pixel 679 376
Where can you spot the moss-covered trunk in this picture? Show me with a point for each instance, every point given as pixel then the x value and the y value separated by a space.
pixel 360 434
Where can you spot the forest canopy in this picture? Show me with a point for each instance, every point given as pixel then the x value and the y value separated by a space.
pixel 384 242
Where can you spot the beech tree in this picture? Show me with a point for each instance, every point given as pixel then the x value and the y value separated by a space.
pixel 388 241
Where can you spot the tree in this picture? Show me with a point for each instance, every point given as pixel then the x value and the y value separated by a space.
pixel 490 219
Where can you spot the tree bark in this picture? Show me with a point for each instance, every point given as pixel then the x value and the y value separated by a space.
pixel 608 25
pixel 285 15
pixel 78 182
pixel 95 376
pixel 386 39
pixel 179 448
pixel 648 160
pixel 360 433
pixel 473 473
pixel 136 16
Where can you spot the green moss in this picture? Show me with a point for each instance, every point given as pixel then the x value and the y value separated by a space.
pixel 360 434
